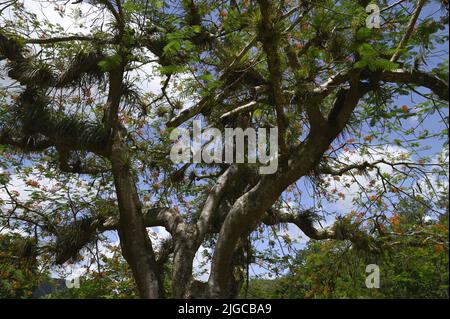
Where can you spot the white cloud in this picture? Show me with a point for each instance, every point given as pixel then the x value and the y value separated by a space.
pixel 72 18
pixel 351 157
pixel 202 264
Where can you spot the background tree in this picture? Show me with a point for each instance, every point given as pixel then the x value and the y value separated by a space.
pixel 409 269
pixel 19 271
pixel 76 108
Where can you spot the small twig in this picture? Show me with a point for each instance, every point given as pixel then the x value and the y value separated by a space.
pixel 409 31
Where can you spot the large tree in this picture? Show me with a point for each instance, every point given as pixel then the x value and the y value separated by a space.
pixel 76 107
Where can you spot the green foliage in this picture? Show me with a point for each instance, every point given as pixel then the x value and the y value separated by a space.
pixel 19 273
pixel 110 63
pixel 261 289
pixel 413 265
pixel 370 58
pixel 112 280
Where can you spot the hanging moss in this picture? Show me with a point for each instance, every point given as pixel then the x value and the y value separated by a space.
pixel 36 117
pixel 10 49
pixel 31 73
pixel 83 64
pixel 72 238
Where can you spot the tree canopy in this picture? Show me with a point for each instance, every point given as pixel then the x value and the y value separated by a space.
pixel 91 91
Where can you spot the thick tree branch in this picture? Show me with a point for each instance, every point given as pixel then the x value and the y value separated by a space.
pixel 215 196
pixel 431 81
pixel 305 222
pixel 270 41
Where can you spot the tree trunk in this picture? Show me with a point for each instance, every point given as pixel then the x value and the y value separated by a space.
pixel 134 240
pixel 185 248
